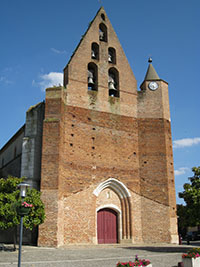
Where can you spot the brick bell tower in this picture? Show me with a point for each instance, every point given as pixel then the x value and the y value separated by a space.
pixel 156 156
pixel 107 166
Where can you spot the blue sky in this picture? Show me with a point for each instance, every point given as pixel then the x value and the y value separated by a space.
pixel 38 38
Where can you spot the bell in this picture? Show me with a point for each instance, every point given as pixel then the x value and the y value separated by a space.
pixel 101 35
pixel 90 80
pixel 109 58
pixel 111 86
pixel 112 89
pixel 93 54
pixel 112 92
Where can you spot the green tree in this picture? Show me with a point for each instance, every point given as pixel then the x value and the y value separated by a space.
pixel 191 196
pixel 183 219
pixel 37 214
pixel 10 199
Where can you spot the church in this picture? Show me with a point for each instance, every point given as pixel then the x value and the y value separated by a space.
pixel 100 150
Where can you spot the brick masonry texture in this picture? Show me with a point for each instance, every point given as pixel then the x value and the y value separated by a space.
pixel 88 147
pixel 106 152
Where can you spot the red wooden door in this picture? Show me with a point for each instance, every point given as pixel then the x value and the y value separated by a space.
pixel 107 227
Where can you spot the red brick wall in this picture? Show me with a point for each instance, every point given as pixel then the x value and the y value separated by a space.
pixel 86 147
pixel 153 167
pixel 98 146
pixel 90 137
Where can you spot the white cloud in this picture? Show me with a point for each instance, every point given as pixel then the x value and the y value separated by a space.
pixel 186 142
pixel 181 171
pixel 4 80
pixel 51 79
pixel 58 51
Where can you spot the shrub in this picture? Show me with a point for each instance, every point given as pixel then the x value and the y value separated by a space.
pixel 137 262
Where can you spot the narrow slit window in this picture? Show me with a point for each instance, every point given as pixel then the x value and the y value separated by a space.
pixel 103 17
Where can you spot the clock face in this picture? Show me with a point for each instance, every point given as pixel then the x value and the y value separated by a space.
pixel 153 85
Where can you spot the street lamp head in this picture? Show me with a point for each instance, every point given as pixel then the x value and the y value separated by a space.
pixel 23 187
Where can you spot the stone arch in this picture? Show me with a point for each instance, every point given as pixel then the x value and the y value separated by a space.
pixel 115 185
pixel 124 195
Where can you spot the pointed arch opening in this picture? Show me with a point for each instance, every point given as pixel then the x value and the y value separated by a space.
pixel 103 32
pixel 92 77
pixel 117 186
pixel 111 55
pixel 95 51
pixel 103 16
pixel 113 82
pixel 124 195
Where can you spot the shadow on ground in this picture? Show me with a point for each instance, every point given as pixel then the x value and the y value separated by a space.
pixel 181 249
pixel 8 248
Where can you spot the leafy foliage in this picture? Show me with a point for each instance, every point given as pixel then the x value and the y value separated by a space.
pixel 194 250
pixel 9 195
pixel 191 196
pixel 10 200
pixel 183 219
pixel 37 214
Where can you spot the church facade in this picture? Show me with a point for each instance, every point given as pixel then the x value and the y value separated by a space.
pixel 103 149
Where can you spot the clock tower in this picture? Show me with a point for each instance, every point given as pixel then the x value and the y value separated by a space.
pixel 155 148
pixel 153 99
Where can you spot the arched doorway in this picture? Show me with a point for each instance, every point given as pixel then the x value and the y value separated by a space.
pixel 107 226
pixel 125 223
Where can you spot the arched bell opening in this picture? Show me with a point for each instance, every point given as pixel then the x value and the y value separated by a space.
pixel 113 82
pixel 124 216
pixel 95 51
pixel 111 55
pixel 92 77
pixel 103 32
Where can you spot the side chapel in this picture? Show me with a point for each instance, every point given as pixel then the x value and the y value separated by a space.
pixel 106 162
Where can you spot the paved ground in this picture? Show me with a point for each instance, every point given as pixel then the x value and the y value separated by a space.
pixel 94 256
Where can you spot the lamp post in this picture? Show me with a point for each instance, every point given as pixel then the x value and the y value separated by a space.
pixel 23 187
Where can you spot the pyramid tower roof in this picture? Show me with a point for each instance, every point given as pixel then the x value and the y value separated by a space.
pixel 151 72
